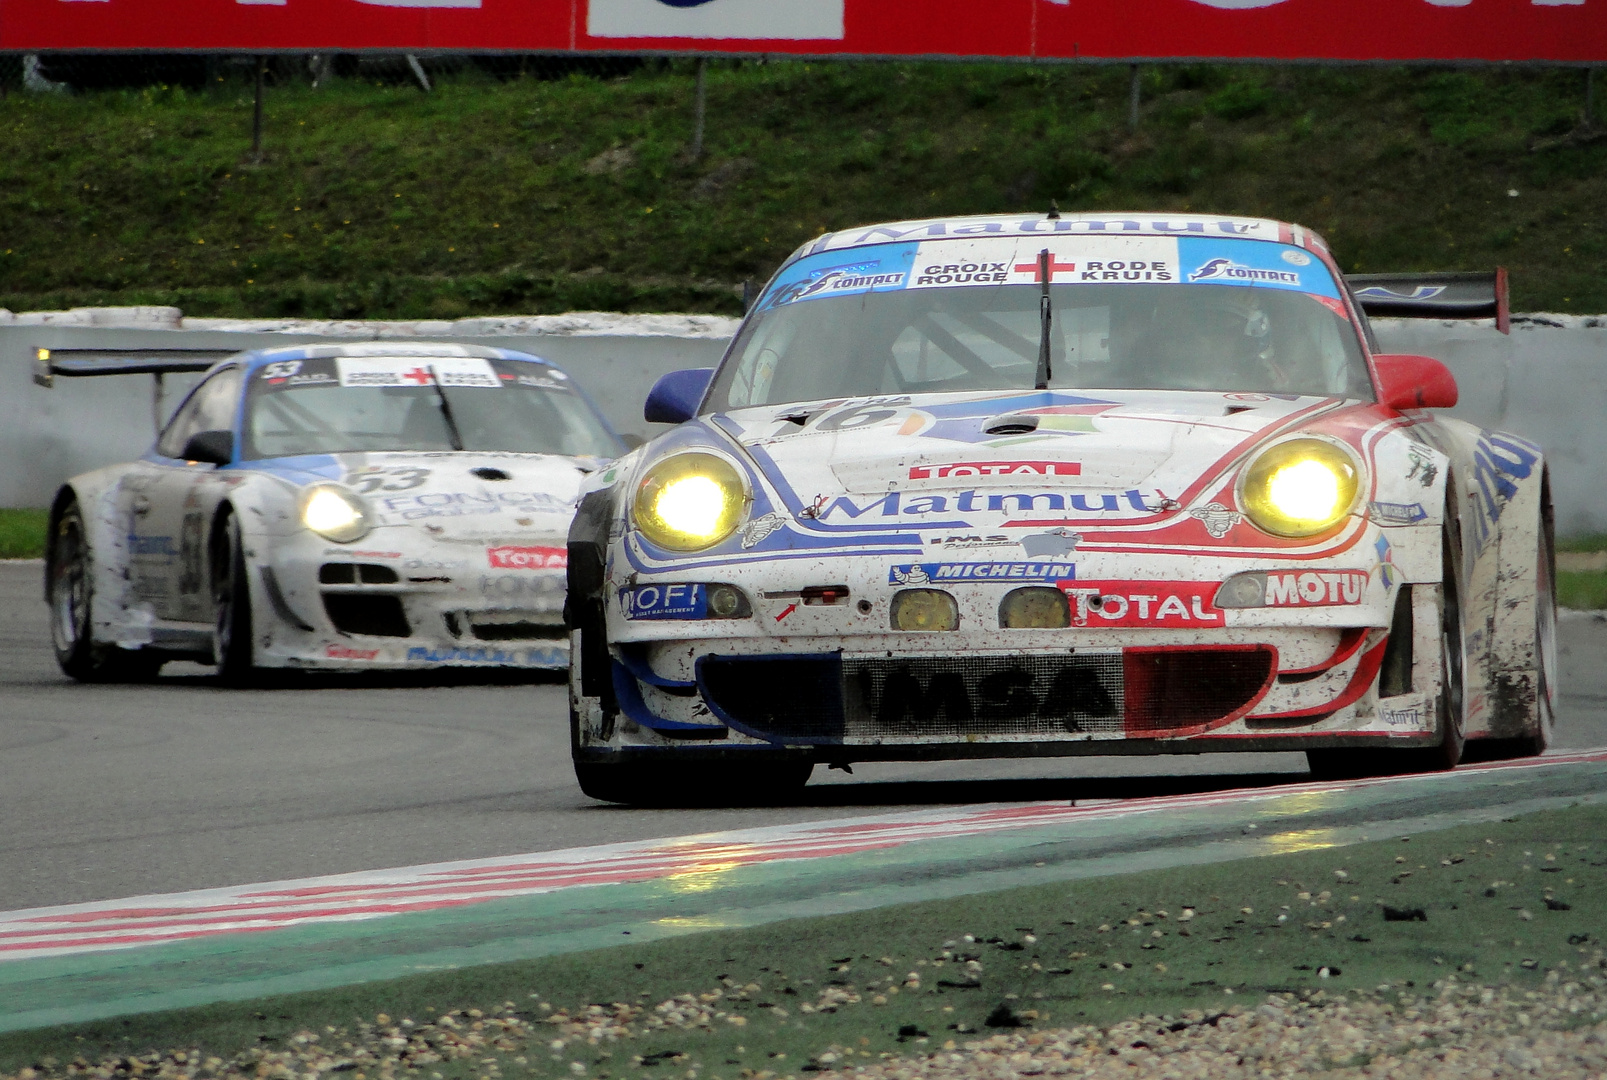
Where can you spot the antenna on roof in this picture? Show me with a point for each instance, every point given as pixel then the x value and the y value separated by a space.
pixel 1054 210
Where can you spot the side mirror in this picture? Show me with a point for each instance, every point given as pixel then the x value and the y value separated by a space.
pixel 675 397
pixel 1414 382
pixel 212 447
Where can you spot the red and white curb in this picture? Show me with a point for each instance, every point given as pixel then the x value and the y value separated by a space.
pixel 150 920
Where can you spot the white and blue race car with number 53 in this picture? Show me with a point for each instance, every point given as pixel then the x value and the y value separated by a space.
pixel 1044 485
pixel 382 505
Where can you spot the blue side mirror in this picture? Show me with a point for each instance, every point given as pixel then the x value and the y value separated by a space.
pixel 675 397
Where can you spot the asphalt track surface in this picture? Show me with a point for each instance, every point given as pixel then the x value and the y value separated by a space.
pixel 123 791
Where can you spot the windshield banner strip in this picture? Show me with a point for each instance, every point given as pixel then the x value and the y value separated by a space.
pixel 1074 260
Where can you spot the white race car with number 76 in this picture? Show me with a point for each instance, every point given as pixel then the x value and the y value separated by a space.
pixel 1025 486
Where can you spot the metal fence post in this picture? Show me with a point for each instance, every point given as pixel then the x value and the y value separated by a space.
pixel 256 111
pixel 418 72
pixel 1133 91
pixel 700 107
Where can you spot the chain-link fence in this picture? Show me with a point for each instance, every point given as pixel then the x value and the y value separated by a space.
pixel 88 71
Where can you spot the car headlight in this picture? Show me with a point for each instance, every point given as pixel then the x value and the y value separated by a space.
pixel 335 514
pixel 1299 488
pixel 924 609
pixel 689 502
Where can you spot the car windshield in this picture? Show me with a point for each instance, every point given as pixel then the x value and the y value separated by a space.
pixel 1136 313
pixel 344 404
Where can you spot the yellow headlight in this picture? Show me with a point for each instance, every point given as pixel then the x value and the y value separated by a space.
pixel 690 501
pixel 924 609
pixel 1299 488
pixel 334 514
pixel 1034 608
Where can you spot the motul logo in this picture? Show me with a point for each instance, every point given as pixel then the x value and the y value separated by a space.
pixel 527 558
pixel 1316 588
pixel 996 468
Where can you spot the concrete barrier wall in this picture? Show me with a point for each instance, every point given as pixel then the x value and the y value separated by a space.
pixel 47 435
pixel 1547 381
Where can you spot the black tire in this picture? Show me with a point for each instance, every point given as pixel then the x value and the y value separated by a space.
pixel 69 591
pixel 231 600
pixel 685 784
pixel 1353 763
pixel 1453 662
pixel 1545 639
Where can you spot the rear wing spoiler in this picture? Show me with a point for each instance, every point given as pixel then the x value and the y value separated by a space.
pixel 1480 295
pixel 79 363
pixel 86 363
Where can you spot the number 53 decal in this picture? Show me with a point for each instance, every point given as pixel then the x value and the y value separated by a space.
pixel 369 481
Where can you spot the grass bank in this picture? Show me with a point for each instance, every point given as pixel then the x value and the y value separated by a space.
pixel 22 533
pixel 484 197
pixel 1581 583
pixel 1518 904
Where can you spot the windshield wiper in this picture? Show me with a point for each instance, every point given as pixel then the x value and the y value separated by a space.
pixel 1046 318
pixel 446 410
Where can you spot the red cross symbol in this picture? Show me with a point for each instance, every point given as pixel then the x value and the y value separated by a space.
pixel 418 375
pixel 1036 270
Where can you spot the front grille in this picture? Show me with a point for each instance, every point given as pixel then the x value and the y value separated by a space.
pixel 1138 692
pixel 1168 689
pixel 352 573
pixel 367 614
pixel 521 630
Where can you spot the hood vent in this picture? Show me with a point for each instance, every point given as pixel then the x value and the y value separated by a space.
pixel 1011 424
pixel 486 472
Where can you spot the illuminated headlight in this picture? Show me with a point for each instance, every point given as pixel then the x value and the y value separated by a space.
pixel 1037 608
pixel 925 609
pixel 335 514
pixel 689 502
pixel 1299 488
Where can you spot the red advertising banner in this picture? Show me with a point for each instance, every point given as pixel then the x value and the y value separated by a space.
pixel 1565 31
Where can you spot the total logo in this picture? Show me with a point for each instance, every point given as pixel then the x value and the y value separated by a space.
pixel 1143 603
pixel 995 468
pixel 527 558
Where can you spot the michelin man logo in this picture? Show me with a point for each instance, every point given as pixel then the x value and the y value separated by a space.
pixel 792 20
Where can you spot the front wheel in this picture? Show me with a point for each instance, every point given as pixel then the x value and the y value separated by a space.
pixel 231 598
pixel 69 590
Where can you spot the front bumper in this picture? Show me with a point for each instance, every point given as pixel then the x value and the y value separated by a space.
pixel 832 682
pixel 406 601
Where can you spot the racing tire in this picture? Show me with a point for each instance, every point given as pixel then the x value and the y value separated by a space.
pixel 693 784
pixel 1352 764
pixel 231 599
pixel 70 593
pixel 1545 644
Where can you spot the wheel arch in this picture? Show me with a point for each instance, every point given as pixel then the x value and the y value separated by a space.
pixel 105 544
pixel 65 495
pixel 1511 520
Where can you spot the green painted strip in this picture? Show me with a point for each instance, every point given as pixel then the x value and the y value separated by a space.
pixel 81 987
